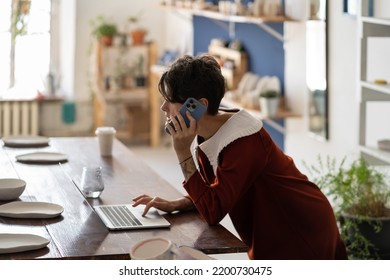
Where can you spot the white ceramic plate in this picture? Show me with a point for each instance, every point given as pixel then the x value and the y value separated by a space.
pixel 12 243
pixel 25 141
pixel 251 82
pixel 42 157
pixel 189 253
pixel 11 188
pixel 262 85
pixel 26 209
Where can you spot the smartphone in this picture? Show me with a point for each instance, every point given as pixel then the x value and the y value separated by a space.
pixel 195 108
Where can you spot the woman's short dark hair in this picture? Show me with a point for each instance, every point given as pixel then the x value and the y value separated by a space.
pixel 198 77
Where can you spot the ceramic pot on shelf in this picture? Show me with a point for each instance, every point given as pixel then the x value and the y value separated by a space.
pixel 269 106
pixel 138 36
pixel 106 41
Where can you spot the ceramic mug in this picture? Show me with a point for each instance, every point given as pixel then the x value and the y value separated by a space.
pixel 153 249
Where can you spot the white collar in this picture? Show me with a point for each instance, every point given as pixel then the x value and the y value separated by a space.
pixel 239 125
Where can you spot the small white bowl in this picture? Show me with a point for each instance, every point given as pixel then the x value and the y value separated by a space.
pixel 11 188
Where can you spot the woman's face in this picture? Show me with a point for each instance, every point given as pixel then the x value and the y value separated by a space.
pixel 170 109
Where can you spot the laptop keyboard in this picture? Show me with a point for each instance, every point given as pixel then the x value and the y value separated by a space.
pixel 121 216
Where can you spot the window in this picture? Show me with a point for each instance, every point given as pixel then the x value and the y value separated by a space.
pixel 25 43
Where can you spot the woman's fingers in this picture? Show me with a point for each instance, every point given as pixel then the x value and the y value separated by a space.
pixel 150 202
pixel 192 121
pixel 146 209
pixel 180 121
pixel 157 203
pixel 142 199
pixel 176 123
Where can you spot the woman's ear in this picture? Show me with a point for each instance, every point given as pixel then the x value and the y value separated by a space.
pixel 204 101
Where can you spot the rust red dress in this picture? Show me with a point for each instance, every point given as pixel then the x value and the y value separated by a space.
pixel 275 209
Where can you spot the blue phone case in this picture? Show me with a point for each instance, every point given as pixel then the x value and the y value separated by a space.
pixel 195 108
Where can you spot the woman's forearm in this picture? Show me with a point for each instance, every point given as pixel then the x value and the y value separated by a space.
pixel 184 204
pixel 188 168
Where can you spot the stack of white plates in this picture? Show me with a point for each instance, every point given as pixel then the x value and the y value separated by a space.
pixel 19 242
pixel 25 141
pixel 42 157
pixel 27 209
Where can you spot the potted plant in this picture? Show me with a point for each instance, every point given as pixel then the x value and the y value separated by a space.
pixel 269 102
pixel 359 194
pixel 104 30
pixel 137 33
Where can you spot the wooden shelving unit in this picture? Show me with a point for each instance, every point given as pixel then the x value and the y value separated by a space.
pixel 282 113
pixel 240 62
pixel 126 105
pixel 370 91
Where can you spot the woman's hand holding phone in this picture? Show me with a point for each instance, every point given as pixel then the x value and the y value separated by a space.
pixel 195 109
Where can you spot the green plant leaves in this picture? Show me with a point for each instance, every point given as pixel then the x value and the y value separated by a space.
pixel 357 190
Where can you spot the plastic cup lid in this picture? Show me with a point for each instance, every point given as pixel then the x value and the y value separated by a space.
pixel 105 130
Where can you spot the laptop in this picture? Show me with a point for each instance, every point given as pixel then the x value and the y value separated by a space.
pixel 125 216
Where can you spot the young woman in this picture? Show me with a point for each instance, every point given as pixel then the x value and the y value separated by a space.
pixel 232 166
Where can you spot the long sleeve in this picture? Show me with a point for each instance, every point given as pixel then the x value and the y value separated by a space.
pixel 215 196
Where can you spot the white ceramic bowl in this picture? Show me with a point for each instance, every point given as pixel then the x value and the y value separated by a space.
pixel 11 188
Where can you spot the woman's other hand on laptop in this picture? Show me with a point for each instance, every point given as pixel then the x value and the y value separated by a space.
pixel 180 204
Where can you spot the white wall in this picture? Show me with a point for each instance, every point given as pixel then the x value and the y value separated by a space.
pixel 382 8
pixel 66 65
pixel 179 32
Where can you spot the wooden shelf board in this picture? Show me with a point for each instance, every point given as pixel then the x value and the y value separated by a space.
pixel 282 114
pixel 226 17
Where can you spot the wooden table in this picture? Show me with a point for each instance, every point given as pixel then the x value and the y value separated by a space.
pixel 78 233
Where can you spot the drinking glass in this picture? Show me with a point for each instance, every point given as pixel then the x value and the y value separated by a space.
pixel 92 183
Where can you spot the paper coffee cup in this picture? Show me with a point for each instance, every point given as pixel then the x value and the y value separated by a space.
pixel 105 136
pixel 153 249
